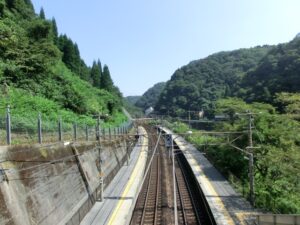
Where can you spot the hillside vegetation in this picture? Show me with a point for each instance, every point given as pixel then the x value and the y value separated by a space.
pixel 150 97
pixel 263 80
pixel 199 84
pixel 277 167
pixel 46 71
pixel 254 74
pixel 129 105
pixel 132 99
pixel 278 71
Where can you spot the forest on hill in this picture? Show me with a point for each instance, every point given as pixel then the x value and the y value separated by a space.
pixel 254 75
pixel 264 81
pixel 133 99
pixel 199 84
pixel 42 71
pixel 136 105
pixel 129 105
pixel 278 71
pixel 150 97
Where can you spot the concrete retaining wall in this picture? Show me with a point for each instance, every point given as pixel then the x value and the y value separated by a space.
pixel 50 184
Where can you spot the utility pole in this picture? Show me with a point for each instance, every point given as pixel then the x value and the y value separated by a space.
pixel 250 129
pixel 100 161
pixel 189 119
pixel 250 153
pixel 251 162
pixel 8 126
pixel 98 128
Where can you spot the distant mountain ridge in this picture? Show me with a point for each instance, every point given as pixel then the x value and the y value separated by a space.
pixel 199 84
pixel 150 97
pixel 133 99
pixel 254 75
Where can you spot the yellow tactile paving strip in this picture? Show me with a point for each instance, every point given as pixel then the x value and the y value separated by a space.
pixel 122 210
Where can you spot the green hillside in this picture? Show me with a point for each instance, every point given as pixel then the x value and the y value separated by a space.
pixel 199 84
pixel 132 99
pixel 133 110
pixel 42 71
pixel 276 158
pixel 150 97
pixel 278 71
pixel 263 80
pixel 254 74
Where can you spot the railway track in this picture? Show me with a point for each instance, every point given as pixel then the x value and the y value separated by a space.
pixel 151 212
pixel 202 213
pixel 155 203
pixel 185 206
pixel 148 208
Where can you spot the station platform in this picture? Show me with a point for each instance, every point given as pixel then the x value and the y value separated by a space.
pixel 228 206
pixel 119 197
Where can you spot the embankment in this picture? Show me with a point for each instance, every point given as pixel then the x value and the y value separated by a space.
pixel 56 184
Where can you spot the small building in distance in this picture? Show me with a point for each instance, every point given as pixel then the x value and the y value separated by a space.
pixel 149 111
pixel 222 117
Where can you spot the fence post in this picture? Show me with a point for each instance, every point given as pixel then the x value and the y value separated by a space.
pixel 103 133
pixel 75 131
pixel 86 132
pixel 8 126
pixel 40 137
pixel 98 129
pixel 60 135
pixel 126 147
pixel 109 131
pixel 100 132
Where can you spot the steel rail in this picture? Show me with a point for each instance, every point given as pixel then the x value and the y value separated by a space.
pixel 147 174
pixel 157 190
pixel 151 201
pixel 189 190
pixel 182 203
pixel 147 197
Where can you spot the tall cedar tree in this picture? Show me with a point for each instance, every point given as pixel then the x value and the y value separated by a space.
pixel 29 3
pixel 96 75
pixel 71 56
pixel 23 8
pixel 100 68
pixel 106 81
pixel 55 31
pixel 84 71
pixel 42 14
pixel 10 3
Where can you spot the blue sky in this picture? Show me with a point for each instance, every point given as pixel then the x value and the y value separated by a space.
pixel 144 41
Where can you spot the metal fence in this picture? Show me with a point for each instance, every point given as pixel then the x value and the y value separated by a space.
pixel 16 130
pixel 278 219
